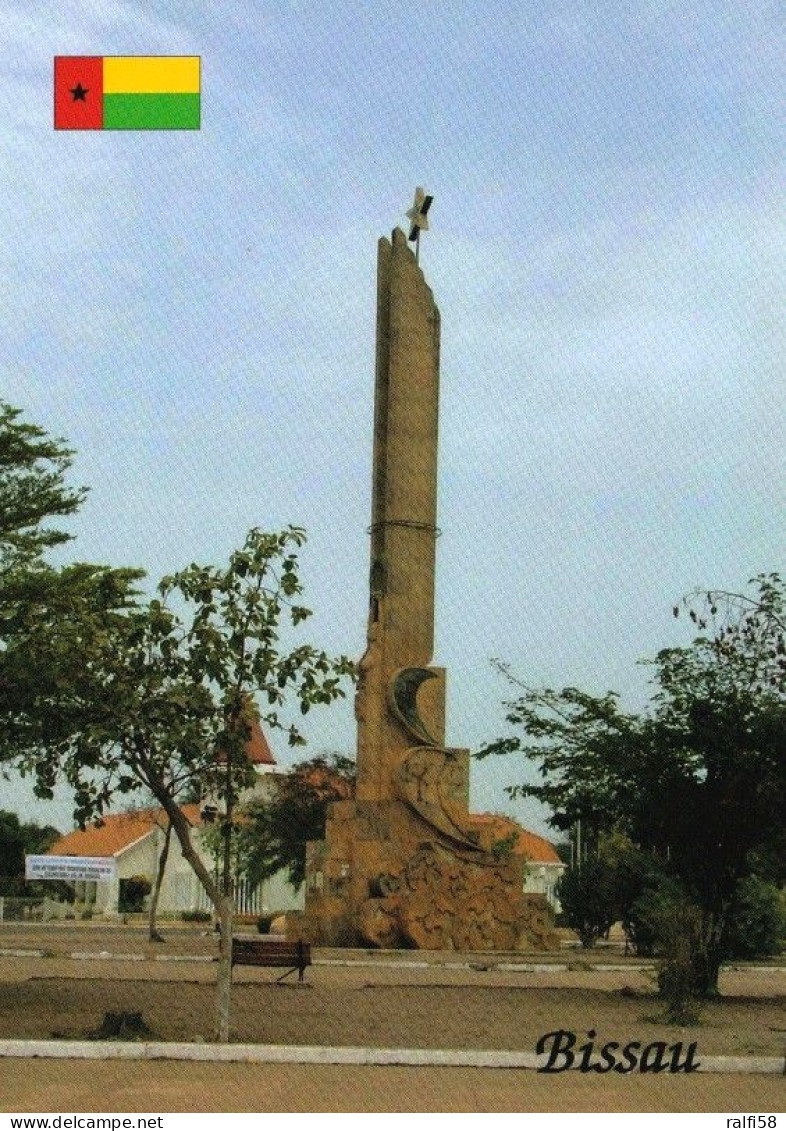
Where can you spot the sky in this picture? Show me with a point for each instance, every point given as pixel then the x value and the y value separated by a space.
pixel 194 312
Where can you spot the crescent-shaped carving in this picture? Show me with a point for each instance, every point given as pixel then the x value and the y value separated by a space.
pixel 404 687
pixel 424 775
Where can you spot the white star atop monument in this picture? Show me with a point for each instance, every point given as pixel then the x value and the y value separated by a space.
pixel 418 214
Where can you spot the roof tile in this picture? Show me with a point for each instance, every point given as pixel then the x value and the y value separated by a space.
pixel 115 832
pixel 529 845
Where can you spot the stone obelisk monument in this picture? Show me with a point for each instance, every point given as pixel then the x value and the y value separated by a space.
pixel 404 864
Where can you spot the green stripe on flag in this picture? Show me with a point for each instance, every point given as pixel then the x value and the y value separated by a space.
pixel 151 111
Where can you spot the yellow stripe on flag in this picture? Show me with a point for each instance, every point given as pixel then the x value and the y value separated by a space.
pixel 151 74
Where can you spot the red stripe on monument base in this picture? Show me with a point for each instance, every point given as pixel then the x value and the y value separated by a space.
pixel 79 92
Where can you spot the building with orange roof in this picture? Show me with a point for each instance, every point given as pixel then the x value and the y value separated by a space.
pixel 117 832
pixel 543 864
pixel 135 839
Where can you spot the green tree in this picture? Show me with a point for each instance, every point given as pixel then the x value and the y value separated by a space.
pixel 758 919
pixel 616 882
pixel 635 872
pixel 72 605
pixel 161 699
pixel 275 829
pixel 18 840
pixel 586 895
pixel 651 913
pixel 33 467
pixel 699 779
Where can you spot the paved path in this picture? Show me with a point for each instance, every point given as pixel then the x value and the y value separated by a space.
pixel 152 1088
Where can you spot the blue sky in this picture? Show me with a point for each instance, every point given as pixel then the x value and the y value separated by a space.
pixel 195 312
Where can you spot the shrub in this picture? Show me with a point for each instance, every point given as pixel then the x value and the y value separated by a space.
pixel 264 921
pixel 17 908
pixel 757 923
pixel 587 897
pixel 645 920
pixel 132 893
pixel 680 972
pixel 195 916
pixel 673 927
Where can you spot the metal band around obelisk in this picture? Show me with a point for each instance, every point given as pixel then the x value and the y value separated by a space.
pixel 407 523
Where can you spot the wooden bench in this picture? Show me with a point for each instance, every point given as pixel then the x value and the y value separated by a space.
pixel 272 952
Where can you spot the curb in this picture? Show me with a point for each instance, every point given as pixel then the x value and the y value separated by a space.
pixel 105 956
pixel 490 967
pixel 506 966
pixel 318 1054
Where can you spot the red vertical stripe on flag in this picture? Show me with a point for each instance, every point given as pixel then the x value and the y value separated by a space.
pixel 79 92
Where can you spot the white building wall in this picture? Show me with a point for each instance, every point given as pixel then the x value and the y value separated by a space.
pixel 278 894
pixel 542 879
pixel 181 889
pixel 139 859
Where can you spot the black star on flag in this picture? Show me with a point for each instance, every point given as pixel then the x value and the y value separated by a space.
pixel 78 93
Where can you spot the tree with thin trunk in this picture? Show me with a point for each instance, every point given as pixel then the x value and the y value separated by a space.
pixel 164 697
pixel 166 827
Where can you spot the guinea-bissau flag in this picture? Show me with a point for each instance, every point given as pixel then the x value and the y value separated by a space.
pixel 127 92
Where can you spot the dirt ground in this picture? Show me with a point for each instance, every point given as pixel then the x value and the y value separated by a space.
pixel 404 999
pixel 384 1000
pixel 337 1009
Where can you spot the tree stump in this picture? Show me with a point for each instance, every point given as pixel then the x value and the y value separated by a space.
pixel 123 1027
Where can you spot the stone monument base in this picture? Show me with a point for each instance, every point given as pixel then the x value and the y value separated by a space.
pixel 381 878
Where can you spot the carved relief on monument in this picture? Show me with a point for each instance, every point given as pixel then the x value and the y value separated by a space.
pixel 432 781
pixel 446 902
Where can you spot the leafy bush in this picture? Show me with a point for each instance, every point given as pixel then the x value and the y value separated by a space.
pixel 673 927
pixel 16 908
pixel 757 923
pixel 635 872
pixel 264 922
pixel 132 893
pixel 681 971
pixel 647 917
pixel 195 916
pixel 587 896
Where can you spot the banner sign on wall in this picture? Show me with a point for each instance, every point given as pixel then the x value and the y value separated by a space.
pixel 102 869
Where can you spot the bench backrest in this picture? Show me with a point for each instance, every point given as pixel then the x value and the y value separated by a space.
pixel 267 952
